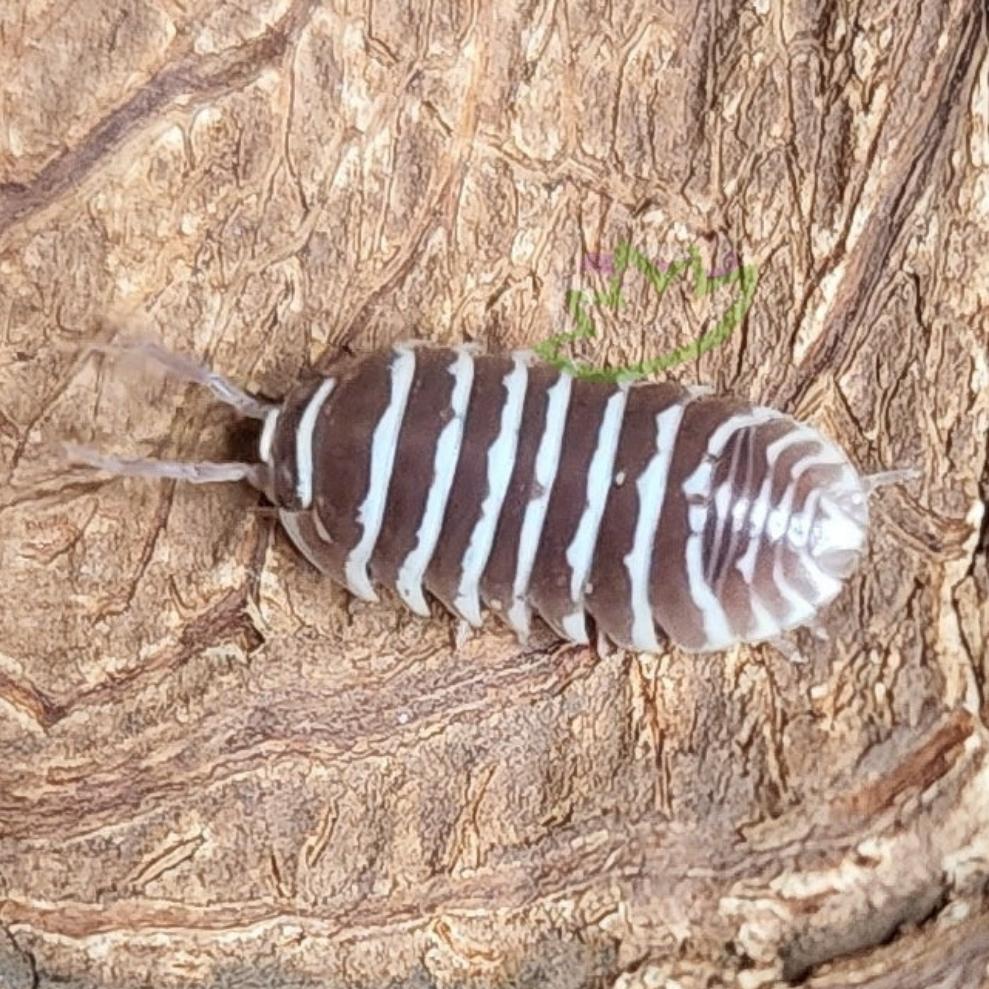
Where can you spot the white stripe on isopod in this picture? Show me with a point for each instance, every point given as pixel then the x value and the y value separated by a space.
pixel 580 552
pixel 651 488
pixel 383 446
pixel 717 628
pixel 268 436
pixel 500 465
pixel 303 442
pixel 413 568
pixel 547 464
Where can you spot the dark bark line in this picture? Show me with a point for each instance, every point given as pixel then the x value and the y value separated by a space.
pixel 195 76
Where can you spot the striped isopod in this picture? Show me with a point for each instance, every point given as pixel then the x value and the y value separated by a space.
pixel 495 480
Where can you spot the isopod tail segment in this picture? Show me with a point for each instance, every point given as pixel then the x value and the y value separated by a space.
pixel 185 369
pixel 786 643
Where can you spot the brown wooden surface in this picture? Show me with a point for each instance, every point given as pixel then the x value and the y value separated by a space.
pixel 215 770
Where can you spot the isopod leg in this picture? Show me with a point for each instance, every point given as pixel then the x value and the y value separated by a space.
pixel 461 634
pixel 195 472
pixel 184 368
pixel 786 645
pixel 605 647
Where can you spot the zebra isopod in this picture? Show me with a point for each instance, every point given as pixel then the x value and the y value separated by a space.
pixel 647 512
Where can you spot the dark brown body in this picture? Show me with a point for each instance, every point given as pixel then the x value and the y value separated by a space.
pixel 358 457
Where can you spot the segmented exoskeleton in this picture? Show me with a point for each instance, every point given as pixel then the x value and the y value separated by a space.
pixel 499 481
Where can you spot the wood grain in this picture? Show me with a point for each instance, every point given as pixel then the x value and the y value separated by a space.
pixel 218 771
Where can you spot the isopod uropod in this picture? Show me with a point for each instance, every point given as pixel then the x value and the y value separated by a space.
pixel 498 481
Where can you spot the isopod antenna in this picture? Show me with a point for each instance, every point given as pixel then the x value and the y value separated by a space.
pixel 181 368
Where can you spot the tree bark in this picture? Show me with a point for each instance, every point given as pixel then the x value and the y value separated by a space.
pixel 217 770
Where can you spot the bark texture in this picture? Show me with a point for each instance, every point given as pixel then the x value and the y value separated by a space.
pixel 216 770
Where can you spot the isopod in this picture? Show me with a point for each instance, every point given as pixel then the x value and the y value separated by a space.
pixel 496 481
